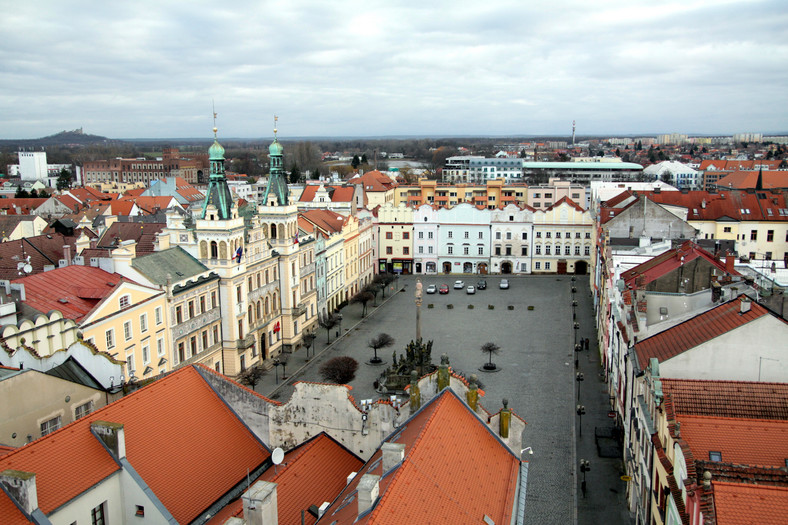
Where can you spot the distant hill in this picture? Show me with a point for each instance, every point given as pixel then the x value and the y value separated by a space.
pixel 65 138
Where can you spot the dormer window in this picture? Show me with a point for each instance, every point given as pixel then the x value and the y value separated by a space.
pixel 124 301
pixel 715 456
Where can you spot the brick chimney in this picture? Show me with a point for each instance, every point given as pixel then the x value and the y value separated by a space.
pixel 112 435
pixel 392 455
pixel 21 486
pixel 443 372
pixel 504 419
pixel 472 395
pixel 368 491
pixel 260 504
pixel 730 260
pixel 67 254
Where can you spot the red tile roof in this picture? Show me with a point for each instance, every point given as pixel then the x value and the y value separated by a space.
pixel 455 471
pixel 374 181
pixel 328 221
pixel 656 267
pixel 73 290
pixel 762 442
pixel 43 250
pixel 69 201
pixel 143 233
pixel 740 399
pixel 733 205
pixel 698 330
pixel 25 205
pixel 310 474
pixel 748 179
pixel 737 503
pixel 337 193
pixel 187 464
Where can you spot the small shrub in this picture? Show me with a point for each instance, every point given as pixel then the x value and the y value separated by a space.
pixel 430 305
pixel 491 307
pixel 449 306
pixel 511 307
pixel 531 307
pixel 470 307
pixel 340 370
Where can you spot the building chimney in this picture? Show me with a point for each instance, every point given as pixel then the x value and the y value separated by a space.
pixel 111 435
pixel 745 305
pixel 368 491
pixel 162 241
pixel 392 455
pixel 21 486
pixel 414 391
pixel 443 372
pixel 504 417
pixel 67 254
pixel 730 260
pixel 260 504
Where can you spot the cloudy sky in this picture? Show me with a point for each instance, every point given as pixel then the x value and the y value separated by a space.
pixel 371 68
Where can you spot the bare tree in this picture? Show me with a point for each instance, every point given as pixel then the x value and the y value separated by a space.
pixel 340 370
pixel 363 297
pixel 251 376
pixel 382 340
pixel 490 348
pixel 328 322
pixel 309 339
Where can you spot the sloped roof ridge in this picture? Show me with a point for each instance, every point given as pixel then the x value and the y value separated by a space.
pixel 205 368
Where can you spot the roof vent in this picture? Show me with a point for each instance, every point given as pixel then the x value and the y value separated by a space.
pixel 62 301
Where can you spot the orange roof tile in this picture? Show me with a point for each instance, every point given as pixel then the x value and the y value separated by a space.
pixel 761 442
pixel 187 464
pixel 700 329
pixel 741 399
pixel 740 504
pixel 431 485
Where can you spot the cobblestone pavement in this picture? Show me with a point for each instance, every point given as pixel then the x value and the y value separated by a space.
pixel 537 375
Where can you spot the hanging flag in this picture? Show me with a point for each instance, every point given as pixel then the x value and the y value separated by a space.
pixel 296 239
pixel 238 254
pixel 276 327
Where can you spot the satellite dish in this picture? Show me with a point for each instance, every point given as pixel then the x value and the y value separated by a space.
pixel 277 456
pixel 28 268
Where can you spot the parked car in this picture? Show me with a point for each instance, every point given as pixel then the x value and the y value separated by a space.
pixel 481 285
pixel 470 290
pixel 432 288
pixel 444 289
pixel 504 285
pixel 459 285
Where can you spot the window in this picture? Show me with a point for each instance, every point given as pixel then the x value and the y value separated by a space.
pixel 498 236
pixel 465 250
pixel 481 250
pixel 144 323
pixel 547 266
pixel 525 236
pixel 429 235
pixel 538 249
pixel 405 250
pixel 213 294
pixel 130 364
pixel 83 410
pixel 588 235
pixel 389 250
pixel 421 235
pixel 497 250
pixel 715 455
pixel 538 266
pixel 429 249
pixel 97 515
pixel 547 250
pixel 557 235
pixel 770 236
pixel 160 346
pixel 205 340
pixel 548 234
pixel 127 332
pixel 726 229
pixel 421 249
pixel 110 335
pixel 538 235
pixel 524 250
pixel 158 316
pixel 47 427
pixel 238 295
pixel 140 511
pixel 768 256
pixel 406 235
pixel 124 301
pixel 481 235
pixel 389 235
pixel 567 250
pixel 215 334
pixel 451 250
pixel 577 250
pixel 451 234
pixel 178 314
pixel 754 235
pixel 145 355
pixel 587 251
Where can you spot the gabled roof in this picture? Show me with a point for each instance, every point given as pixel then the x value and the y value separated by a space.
pixel 187 463
pixel 143 233
pixel 455 470
pixel 762 442
pixel 667 262
pixel 314 472
pixel 25 205
pixel 328 221
pixel 741 399
pixel 68 200
pixel 73 290
pixel 43 250
pixel 696 331
pixel 175 262
pixel 374 181
pixel 149 204
pixel 568 201
pixel 187 191
pixel 749 179
pixel 737 503
pixel 737 205
pixel 336 193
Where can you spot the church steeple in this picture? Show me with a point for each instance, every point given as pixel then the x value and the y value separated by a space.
pixel 218 194
pixel 277 180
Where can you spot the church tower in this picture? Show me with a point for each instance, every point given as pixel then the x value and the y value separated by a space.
pixel 276 192
pixel 218 195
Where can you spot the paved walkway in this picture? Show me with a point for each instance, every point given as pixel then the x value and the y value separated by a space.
pixel 537 376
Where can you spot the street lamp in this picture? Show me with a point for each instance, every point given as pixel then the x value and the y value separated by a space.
pixel 339 316
pixel 276 369
pixel 581 409
pixel 585 466
pixel 579 377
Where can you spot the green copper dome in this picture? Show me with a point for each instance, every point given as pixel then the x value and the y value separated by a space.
pixel 216 151
pixel 275 148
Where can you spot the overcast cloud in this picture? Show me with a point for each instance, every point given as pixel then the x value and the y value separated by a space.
pixel 368 68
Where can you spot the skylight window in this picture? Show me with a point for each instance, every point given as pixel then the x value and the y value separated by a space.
pixel 715 455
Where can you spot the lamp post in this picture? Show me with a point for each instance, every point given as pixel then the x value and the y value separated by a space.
pixel 581 409
pixel 585 466
pixel 276 369
pixel 339 316
pixel 579 377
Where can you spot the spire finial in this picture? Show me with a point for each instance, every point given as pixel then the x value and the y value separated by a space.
pixel 213 106
pixel 275 130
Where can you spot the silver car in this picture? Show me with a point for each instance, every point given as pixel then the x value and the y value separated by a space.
pixel 504 285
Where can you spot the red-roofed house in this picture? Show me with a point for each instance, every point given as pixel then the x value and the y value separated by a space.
pixel 135 460
pixel 343 199
pixel 378 188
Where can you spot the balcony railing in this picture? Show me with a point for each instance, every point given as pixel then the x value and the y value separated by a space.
pixel 246 342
